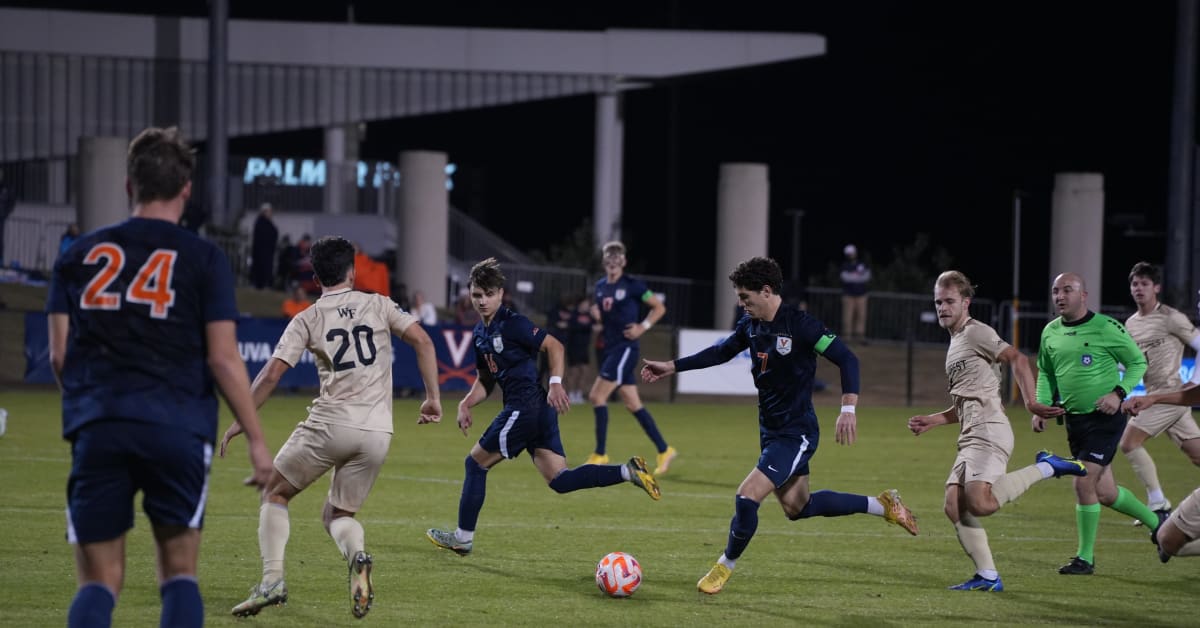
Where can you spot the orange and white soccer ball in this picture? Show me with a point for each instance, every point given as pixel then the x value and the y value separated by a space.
pixel 618 574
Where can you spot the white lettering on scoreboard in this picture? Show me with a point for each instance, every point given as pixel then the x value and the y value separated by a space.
pixel 730 378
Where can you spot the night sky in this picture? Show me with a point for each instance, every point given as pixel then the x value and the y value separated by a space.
pixel 921 118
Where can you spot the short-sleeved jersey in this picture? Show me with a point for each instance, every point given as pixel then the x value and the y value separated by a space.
pixel 507 348
pixel 973 371
pixel 349 334
pixel 783 357
pixel 1077 361
pixel 620 304
pixel 1161 335
pixel 139 295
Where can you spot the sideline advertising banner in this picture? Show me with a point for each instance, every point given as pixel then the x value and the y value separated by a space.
pixel 730 378
pixel 256 342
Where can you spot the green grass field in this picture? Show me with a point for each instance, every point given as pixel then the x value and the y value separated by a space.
pixel 535 551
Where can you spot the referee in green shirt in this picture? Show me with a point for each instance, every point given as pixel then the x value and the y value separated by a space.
pixel 1077 369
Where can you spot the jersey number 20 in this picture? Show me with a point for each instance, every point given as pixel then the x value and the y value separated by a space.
pixel 151 286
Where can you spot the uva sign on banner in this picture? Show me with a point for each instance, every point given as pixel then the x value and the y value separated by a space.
pixel 256 342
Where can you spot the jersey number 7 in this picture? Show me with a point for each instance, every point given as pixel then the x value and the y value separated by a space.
pixel 151 286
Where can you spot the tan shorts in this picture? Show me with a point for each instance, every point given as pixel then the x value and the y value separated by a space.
pixel 983 452
pixel 355 455
pixel 1186 516
pixel 1176 421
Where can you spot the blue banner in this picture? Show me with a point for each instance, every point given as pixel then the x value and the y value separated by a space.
pixel 256 342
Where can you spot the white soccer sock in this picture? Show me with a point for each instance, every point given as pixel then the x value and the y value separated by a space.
pixel 1144 469
pixel 728 562
pixel 625 473
pixel 464 536
pixel 1014 484
pixel 874 506
pixel 347 532
pixel 273 530
pixel 974 542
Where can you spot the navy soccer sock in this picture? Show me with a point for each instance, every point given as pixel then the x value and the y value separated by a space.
pixel 474 490
pixel 647 423
pixel 601 428
pixel 182 606
pixel 587 476
pixel 742 527
pixel 92 607
pixel 833 504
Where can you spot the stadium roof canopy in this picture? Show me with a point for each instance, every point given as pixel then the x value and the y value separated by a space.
pixel 64 74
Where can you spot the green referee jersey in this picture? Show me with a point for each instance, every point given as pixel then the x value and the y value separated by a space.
pixel 1077 362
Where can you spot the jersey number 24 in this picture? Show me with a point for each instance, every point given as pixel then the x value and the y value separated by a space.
pixel 151 286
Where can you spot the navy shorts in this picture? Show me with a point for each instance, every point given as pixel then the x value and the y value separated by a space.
pixel 113 460
pixel 1095 437
pixel 619 365
pixel 519 429
pixel 786 456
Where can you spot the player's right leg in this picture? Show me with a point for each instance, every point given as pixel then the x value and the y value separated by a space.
pixel 602 389
pixel 753 489
pixel 363 454
pixel 484 455
pixel 960 501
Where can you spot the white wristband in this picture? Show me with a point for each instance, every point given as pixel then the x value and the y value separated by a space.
pixel 646 325
pixel 847 409
pixel 555 379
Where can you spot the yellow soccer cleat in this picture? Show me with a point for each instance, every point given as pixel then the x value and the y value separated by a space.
pixel 715 579
pixel 894 511
pixel 664 460
pixel 643 478
pixel 595 458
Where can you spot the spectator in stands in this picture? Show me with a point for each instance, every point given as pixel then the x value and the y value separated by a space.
pixel 855 275
pixel 302 272
pixel 262 248
pixel 424 309
pixel 68 238
pixel 370 275
pixel 296 302
pixel 288 256
pixel 7 203
pixel 580 330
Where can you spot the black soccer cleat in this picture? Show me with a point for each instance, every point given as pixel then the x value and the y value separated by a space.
pixel 1077 567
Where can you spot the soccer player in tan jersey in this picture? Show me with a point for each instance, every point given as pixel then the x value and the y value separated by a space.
pixel 978 484
pixel 349 426
pixel 1161 332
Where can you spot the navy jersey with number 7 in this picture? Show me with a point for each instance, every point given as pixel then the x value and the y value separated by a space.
pixel 139 295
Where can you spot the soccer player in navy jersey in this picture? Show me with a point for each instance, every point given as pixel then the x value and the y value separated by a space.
pixel 784 342
pixel 506 347
pixel 141 325
pixel 617 306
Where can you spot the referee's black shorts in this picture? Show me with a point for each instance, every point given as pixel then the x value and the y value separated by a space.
pixel 1094 437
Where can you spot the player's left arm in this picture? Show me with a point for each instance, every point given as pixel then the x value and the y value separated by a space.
pixel 556 395
pixel 417 338
pixel 1126 351
pixel 1023 374
pixel 633 331
pixel 59 326
pixel 838 352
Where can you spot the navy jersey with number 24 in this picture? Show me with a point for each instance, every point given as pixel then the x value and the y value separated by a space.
pixel 507 350
pixel 139 295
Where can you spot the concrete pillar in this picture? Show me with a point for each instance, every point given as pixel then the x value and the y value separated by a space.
pixel 102 197
pixel 341 169
pixel 1077 231
pixel 743 191
pixel 57 182
pixel 423 224
pixel 609 162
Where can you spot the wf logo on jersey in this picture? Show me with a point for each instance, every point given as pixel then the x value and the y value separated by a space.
pixel 783 346
pixel 346 312
pixel 1086 359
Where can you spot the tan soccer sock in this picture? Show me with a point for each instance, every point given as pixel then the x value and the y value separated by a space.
pixel 1144 469
pixel 273 530
pixel 347 532
pixel 1191 548
pixel 974 542
pixel 1015 483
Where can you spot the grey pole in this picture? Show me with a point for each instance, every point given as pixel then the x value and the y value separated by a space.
pixel 1181 238
pixel 218 138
